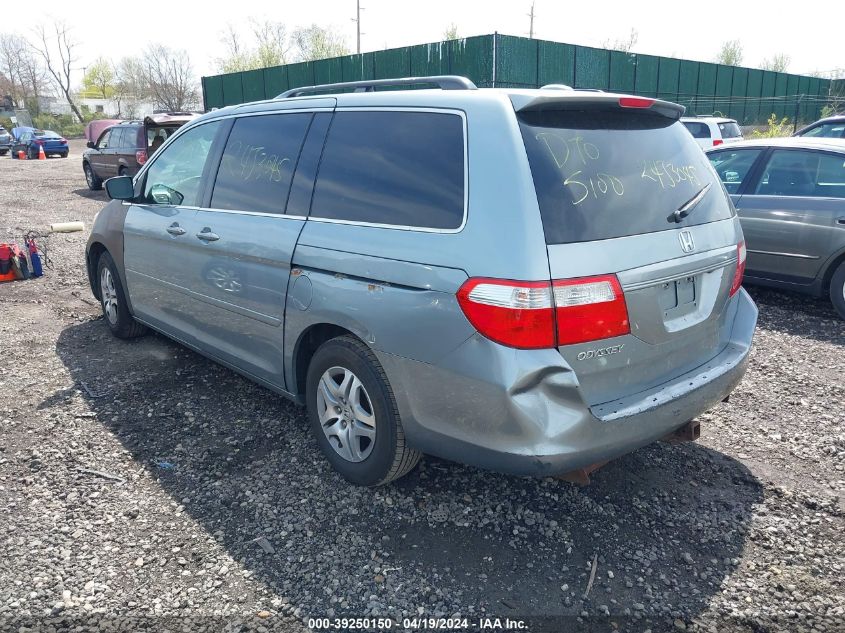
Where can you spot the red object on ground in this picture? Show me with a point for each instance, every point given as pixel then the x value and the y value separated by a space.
pixel 21 155
pixel 41 154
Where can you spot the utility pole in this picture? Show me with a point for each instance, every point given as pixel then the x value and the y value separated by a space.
pixel 357 20
pixel 531 23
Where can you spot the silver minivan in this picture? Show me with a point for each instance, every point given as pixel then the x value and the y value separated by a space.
pixel 530 281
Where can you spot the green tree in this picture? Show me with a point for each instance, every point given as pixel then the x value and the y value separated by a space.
pixel 99 80
pixel 730 54
pixel 778 63
pixel 451 33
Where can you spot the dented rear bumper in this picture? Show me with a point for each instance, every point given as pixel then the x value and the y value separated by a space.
pixel 522 412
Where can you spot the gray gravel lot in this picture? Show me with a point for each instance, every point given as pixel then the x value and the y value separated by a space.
pixel 210 507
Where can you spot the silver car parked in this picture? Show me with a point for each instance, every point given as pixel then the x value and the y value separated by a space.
pixel 531 281
pixel 790 194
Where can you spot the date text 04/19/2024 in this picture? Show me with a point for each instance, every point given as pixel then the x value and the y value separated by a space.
pixel 416 624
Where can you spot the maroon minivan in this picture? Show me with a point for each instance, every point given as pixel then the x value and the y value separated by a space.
pixel 121 149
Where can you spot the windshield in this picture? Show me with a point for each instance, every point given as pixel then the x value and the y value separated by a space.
pixel 606 174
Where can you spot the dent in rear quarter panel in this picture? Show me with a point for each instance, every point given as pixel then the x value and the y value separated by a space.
pixel 108 231
pixel 405 308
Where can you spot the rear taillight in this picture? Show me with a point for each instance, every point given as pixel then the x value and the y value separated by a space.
pixel 740 268
pixel 717 141
pixel 38 141
pixel 590 308
pixel 141 156
pixel 536 314
pixel 635 102
pixel 513 313
pixel 63 141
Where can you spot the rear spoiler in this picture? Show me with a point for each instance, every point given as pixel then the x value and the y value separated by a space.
pixel 564 100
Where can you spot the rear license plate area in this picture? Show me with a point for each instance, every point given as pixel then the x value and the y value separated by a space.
pixel 678 297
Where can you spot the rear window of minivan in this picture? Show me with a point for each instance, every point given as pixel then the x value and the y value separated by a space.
pixel 602 174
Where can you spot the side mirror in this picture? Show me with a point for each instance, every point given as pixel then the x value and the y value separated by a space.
pixel 120 188
pixel 162 194
pixel 91 144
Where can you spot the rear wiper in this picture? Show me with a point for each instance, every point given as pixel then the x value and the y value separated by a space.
pixel 687 207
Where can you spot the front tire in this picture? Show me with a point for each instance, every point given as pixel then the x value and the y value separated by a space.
pixel 113 301
pixel 95 183
pixel 353 414
pixel 837 290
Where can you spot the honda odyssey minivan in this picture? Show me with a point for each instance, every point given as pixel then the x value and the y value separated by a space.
pixel 530 281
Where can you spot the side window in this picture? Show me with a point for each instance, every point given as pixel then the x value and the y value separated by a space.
pixel 733 166
pixel 827 130
pixel 175 176
pixel 130 138
pixel 103 143
pixel 803 173
pixel 258 162
pixel 397 168
pixel 730 130
pixel 116 140
pixel 698 130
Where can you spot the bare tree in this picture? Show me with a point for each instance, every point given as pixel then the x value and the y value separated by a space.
pixel 778 63
pixel 61 67
pixel 317 42
pixel 130 86
pixel 625 45
pixel 730 54
pixel 269 47
pixel 169 78
pixel 25 77
pixel 451 33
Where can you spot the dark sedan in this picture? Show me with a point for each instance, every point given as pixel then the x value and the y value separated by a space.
pixel 790 197
pixel 30 140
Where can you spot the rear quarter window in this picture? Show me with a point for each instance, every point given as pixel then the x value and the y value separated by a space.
pixel 730 130
pixel 606 174
pixel 698 130
pixel 393 168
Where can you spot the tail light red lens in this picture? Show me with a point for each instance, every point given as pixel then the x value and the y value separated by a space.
pixel 513 313
pixel 63 141
pixel 141 156
pixel 717 142
pixel 536 314
pixel 741 255
pixel 590 308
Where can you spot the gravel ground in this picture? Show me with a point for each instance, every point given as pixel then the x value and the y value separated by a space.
pixel 144 487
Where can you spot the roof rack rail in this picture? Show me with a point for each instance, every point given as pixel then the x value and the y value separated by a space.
pixel 445 82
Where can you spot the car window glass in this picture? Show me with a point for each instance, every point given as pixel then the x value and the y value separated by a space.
pixel 175 176
pixel 395 168
pixel 130 138
pixel 827 130
pixel 257 165
pixel 607 173
pixel 103 143
pixel 116 139
pixel 803 173
pixel 698 130
pixel 730 130
pixel 733 166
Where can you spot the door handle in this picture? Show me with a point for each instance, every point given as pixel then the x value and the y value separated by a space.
pixel 206 235
pixel 175 229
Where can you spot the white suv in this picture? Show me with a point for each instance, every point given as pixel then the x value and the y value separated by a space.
pixel 710 131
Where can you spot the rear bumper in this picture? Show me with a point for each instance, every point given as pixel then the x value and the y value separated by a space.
pixel 521 412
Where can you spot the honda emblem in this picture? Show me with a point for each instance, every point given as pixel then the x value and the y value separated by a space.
pixel 687 243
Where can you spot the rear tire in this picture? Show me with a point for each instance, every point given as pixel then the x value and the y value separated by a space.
pixel 95 183
pixel 353 414
pixel 113 301
pixel 837 290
